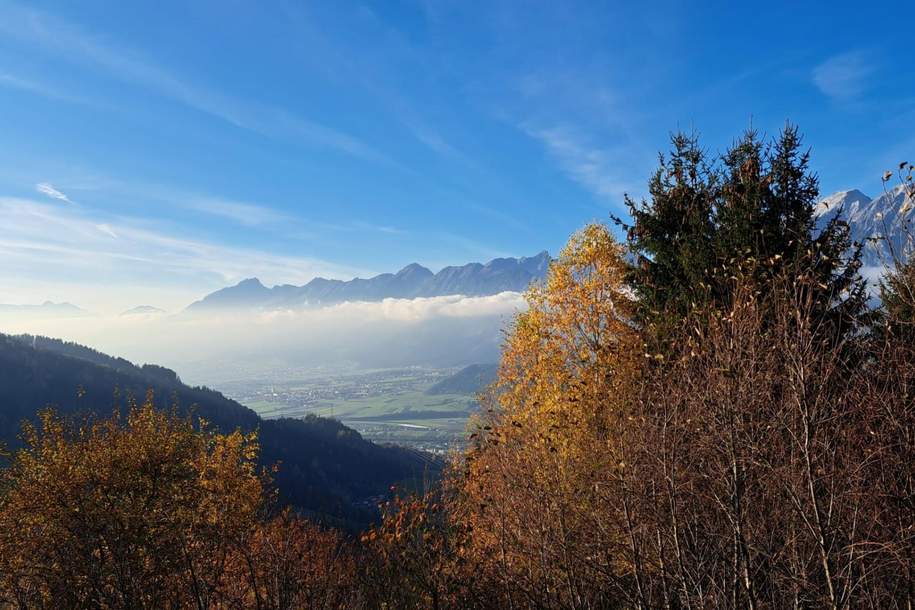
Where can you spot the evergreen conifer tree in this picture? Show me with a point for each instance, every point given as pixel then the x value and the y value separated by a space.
pixel 673 234
pixel 750 213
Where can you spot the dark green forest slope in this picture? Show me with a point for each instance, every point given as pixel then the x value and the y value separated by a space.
pixel 469 380
pixel 325 468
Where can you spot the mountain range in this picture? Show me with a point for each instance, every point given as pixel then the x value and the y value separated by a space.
pixel 414 280
pixel 880 223
pixel 46 309
pixel 875 222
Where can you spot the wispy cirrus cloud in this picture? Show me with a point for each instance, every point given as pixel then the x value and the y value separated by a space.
pixel 107 230
pixel 11 81
pixel 844 77
pixel 244 213
pixel 283 124
pixel 368 226
pixel 59 37
pixel 68 245
pixel 501 217
pixel 48 189
pixel 68 41
pixel 471 247
pixel 593 167
pixel 247 214
pixel 253 215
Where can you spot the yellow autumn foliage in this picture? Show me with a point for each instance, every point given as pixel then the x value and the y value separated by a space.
pixel 135 513
pixel 536 485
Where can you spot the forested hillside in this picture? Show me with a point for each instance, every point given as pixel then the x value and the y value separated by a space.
pixel 323 466
pixel 471 380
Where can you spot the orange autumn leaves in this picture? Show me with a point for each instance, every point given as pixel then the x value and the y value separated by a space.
pixel 569 350
pixel 144 512
pixel 759 462
pixel 537 478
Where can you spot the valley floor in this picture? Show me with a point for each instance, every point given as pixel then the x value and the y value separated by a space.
pixel 385 406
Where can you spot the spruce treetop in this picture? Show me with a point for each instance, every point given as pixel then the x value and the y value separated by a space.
pixel 748 213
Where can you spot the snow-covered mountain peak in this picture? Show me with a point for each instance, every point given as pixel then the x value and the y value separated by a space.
pixel 882 224
pixel 848 201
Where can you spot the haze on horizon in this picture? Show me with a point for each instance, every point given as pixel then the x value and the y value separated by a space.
pixel 444 331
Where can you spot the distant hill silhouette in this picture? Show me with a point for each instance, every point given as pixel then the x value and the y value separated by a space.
pixel 325 468
pixel 473 279
pixel 46 309
pixel 142 310
pixel 469 380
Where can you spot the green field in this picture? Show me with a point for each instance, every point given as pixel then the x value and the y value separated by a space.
pixel 385 406
pixel 405 407
pixel 410 418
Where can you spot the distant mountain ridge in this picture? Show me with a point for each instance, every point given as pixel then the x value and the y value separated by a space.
pixel 414 280
pixel 142 310
pixel 880 224
pixel 471 379
pixel 48 308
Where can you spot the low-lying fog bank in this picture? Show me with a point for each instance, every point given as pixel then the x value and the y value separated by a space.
pixel 205 348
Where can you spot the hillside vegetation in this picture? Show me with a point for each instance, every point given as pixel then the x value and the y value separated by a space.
pixel 707 416
pixel 324 467
pixel 469 380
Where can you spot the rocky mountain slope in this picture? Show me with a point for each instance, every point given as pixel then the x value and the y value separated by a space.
pixel 883 224
pixel 473 279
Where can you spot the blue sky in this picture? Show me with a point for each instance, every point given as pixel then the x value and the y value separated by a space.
pixel 152 152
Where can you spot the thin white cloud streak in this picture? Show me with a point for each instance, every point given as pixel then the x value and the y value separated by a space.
pixel 244 213
pixel 379 74
pixel 247 214
pixel 254 215
pixel 367 226
pixel 107 230
pixel 48 243
pixel 70 42
pixel 844 77
pixel 471 246
pixel 592 167
pixel 66 39
pixel 283 124
pixel 11 81
pixel 501 217
pixel 48 189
